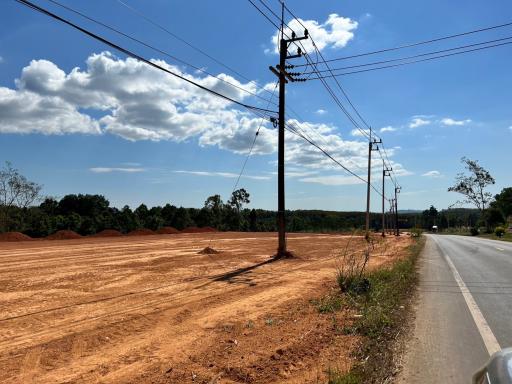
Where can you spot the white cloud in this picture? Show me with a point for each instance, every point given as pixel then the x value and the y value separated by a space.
pixel 449 121
pixel 336 32
pixel 332 180
pixel 360 132
pixel 389 128
pixel 418 122
pixel 510 128
pixel 27 112
pixel 321 111
pixel 138 102
pixel 1 59
pixel 222 174
pixel 115 169
pixel 433 174
pixel 271 87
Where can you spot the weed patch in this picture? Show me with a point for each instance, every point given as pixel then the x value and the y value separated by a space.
pixel 382 309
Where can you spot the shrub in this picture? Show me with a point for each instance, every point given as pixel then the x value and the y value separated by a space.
pixel 416 232
pixel 499 231
pixel 474 231
pixel 350 270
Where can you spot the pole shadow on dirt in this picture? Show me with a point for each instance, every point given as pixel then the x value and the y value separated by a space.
pixel 242 275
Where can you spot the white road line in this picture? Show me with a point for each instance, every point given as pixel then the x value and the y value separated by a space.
pixel 499 249
pixel 488 337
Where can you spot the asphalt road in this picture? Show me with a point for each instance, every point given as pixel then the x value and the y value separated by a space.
pixel 464 309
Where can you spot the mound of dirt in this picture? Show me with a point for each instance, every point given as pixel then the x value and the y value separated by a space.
pixel 141 232
pixel 108 233
pixel 64 234
pixel 198 230
pixel 208 251
pixel 14 236
pixel 167 231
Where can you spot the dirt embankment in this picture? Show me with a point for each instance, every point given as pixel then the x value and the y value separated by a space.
pixel 153 310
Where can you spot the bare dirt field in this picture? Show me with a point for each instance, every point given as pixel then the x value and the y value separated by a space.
pixel 151 309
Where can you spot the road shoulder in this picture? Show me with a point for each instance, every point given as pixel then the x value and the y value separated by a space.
pixel 444 344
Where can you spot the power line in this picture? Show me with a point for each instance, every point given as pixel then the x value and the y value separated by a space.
pixel 174 35
pixel 253 143
pixel 324 61
pixel 341 89
pixel 295 129
pixel 264 14
pixel 410 62
pixel 413 56
pixel 138 57
pixel 156 49
pixel 423 42
pixel 292 129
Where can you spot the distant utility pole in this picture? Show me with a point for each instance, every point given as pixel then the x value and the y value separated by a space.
pixel 283 75
pixel 371 148
pixel 397 190
pixel 385 172
pixel 392 221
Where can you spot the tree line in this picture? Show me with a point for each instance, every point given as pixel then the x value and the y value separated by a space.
pixel 88 214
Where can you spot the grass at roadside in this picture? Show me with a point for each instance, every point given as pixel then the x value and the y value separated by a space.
pixel 492 236
pixel 383 311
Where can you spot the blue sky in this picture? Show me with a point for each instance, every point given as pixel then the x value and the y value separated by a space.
pixel 79 117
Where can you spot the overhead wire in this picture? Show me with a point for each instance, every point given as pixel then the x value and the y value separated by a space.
pixel 296 129
pixel 409 62
pixel 139 57
pixel 348 99
pixel 155 49
pixel 182 40
pixel 413 56
pixel 429 41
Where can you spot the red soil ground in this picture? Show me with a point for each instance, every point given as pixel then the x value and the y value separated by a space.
pixel 14 236
pixel 64 235
pixel 141 232
pixel 150 309
pixel 199 230
pixel 167 231
pixel 108 233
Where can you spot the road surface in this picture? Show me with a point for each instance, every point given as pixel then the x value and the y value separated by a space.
pixel 464 311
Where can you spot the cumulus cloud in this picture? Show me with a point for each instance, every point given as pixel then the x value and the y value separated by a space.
pixel 449 121
pixel 335 32
pixel 115 169
pixel 137 102
pixel 433 174
pixel 418 122
pixel 360 132
pixel 27 112
pixel 321 111
pixel 389 128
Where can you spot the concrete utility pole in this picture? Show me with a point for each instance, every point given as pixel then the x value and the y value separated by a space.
pixel 385 172
pixel 371 148
pixel 283 75
pixel 397 190
pixel 392 216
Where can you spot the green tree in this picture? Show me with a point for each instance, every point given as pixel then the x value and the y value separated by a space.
pixel 503 202
pixel 215 208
